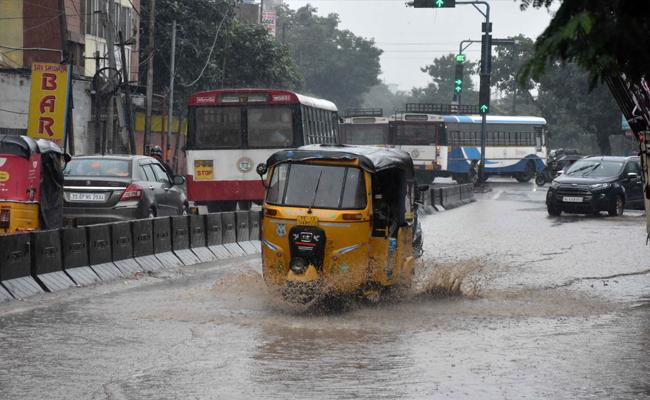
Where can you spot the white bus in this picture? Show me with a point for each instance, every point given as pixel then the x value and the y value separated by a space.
pixel 232 130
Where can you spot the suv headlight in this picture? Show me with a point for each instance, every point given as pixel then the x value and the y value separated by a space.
pixel 555 185
pixel 600 186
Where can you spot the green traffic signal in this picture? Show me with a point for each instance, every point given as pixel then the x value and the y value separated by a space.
pixel 433 3
pixel 483 108
pixel 460 58
pixel 440 3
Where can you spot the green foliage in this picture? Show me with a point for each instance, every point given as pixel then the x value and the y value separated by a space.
pixel 334 64
pixel 243 55
pixel 605 37
pixel 561 95
pixel 441 90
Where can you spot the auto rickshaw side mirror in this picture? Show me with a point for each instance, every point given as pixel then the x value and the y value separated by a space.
pixel 261 169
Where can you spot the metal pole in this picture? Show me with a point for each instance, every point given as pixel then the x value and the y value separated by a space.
pixel 486 69
pixel 98 130
pixel 150 53
pixel 170 112
pixel 110 42
pixel 127 96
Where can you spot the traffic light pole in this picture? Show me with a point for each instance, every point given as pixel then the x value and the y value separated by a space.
pixel 486 55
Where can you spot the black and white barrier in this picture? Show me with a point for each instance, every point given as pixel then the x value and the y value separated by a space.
pixel 48 261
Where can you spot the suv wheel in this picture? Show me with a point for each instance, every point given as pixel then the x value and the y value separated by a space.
pixel 553 211
pixel 617 208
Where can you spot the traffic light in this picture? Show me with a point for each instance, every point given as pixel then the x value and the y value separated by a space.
pixel 484 94
pixel 458 78
pixel 434 3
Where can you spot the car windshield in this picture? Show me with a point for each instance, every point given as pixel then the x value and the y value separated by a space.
pixel 320 186
pixel 97 167
pixel 595 168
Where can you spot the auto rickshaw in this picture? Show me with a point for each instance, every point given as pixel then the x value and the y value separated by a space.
pixel 31 184
pixel 338 220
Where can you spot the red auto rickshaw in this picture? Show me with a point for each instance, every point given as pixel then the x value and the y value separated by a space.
pixel 31 184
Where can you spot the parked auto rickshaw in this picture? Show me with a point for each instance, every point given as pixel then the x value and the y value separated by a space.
pixel 338 220
pixel 31 184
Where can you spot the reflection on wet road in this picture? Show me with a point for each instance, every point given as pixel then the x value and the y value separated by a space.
pixel 509 303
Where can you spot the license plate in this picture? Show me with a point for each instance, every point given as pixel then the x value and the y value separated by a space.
pixel 307 220
pixel 572 199
pixel 87 196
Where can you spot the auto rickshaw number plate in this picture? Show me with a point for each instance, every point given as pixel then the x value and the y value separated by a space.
pixel 307 220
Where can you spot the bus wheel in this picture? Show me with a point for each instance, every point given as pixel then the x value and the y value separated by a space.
pixel 528 173
pixel 221 206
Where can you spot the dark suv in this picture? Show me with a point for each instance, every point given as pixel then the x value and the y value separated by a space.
pixel 595 184
pixel 116 187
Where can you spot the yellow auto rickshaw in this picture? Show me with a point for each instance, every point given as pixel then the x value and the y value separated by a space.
pixel 31 184
pixel 338 220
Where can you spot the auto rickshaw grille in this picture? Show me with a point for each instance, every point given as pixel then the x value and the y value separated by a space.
pixel 307 246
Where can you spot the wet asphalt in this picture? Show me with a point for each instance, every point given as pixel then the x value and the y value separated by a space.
pixel 508 303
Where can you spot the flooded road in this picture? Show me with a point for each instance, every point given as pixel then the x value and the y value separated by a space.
pixel 509 303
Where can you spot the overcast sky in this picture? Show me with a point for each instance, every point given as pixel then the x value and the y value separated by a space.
pixel 412 38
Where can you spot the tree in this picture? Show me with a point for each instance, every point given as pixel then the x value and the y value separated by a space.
pixel 562 96
pixel 380 96
pixel 334 64
pixel 441 90
pixel 605 37
pixel 241 55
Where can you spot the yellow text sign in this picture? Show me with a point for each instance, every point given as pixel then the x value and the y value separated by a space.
pixel 203 170
pixel 48 102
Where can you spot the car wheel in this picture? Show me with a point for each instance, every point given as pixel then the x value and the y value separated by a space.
pixel 152 213
pixel 617 208
pixel 553 211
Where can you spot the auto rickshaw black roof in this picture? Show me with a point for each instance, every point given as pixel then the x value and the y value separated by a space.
pixel 371 159
pixel 25 146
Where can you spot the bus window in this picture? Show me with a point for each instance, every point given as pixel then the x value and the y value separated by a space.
pixel 270 127
pixel 218 127
pixel 365 134
pixel 415 134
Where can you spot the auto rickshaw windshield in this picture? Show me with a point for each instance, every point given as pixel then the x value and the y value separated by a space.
pixel 320 186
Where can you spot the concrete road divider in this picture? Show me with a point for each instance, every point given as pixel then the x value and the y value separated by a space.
pixel 143 254
pixel 214 236
pixel 198 239
pixel 76 264
pixel 122 248
pixel 100 252
pixel 16 264
pixel 242 219
pixel 4 294
pixel 229 236
pixel 452 196
pixel 162 243
pixel 47 261
pixel 255 233
pixel 181 240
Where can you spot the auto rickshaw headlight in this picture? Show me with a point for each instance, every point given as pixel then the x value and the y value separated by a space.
pixel 298 265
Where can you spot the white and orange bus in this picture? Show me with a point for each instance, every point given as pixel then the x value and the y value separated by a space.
pixel 232 130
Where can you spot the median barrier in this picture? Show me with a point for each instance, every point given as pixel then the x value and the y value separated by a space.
pixel 254 222
pixel 4 294
pixel 15 266
pixel 162 243
pixel 230 234
pixel 181 240
pixel 76 264
pixel 99 252
pixel 47 261
pixel 214 236
pixel 198 239
pixel 142 232
pixel 242 219
pixel 122 248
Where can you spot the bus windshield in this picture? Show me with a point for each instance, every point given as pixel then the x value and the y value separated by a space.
pixel 270 127
pixel 320 186
pixel 366 134
pixel 415 134
pixel 223 128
